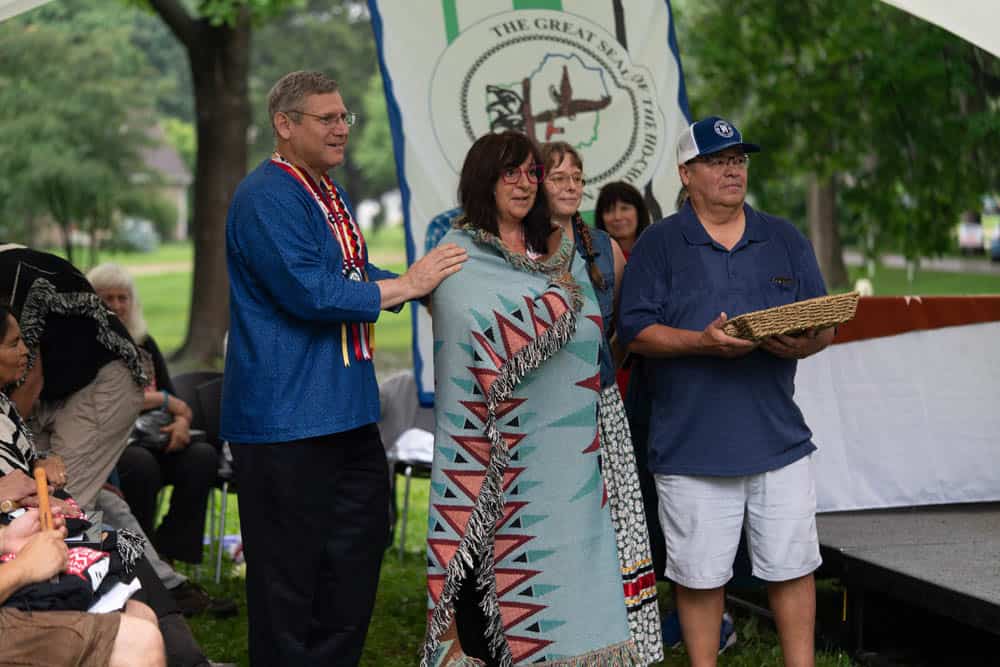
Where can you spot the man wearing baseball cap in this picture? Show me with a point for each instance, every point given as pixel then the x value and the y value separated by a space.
pixel 728 446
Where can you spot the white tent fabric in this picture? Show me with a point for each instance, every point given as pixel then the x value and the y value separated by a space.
pixel 972 20
pixel 905 420
pixel 9 8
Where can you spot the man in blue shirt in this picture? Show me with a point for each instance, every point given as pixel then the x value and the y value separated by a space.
pixel 728 446
pixel 300 399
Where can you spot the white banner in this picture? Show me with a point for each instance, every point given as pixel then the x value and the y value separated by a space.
pixel 603 75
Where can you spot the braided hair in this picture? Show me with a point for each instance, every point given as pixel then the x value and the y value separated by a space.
pixel 583 232
pixel 553 153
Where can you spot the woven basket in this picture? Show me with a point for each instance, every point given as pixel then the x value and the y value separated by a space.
pixel 821 312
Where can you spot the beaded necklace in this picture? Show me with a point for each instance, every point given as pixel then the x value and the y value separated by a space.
pixel 352 246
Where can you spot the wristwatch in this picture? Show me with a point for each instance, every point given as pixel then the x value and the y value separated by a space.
pixel 7 505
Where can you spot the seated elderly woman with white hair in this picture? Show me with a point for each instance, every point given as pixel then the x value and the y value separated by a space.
pixel 191 466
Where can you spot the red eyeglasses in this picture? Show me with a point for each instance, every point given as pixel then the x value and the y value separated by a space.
pixel 533 172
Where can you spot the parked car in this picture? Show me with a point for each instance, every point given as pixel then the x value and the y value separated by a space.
pixel 995 249
pixel 970 238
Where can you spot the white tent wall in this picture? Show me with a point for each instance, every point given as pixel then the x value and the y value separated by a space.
pixel 905 420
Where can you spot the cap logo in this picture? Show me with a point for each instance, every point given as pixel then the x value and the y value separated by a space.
pixel 723 129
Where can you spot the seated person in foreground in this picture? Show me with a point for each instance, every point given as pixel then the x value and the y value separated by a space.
pixel 18 459
pixel 51 638
pixel 91 378
pixel 129 638
pixel 86 383
pixel 190 465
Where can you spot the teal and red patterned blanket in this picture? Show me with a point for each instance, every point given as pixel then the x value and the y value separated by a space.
pixel 517 497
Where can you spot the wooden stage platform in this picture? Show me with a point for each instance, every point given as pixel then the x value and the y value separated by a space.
pixel 945 559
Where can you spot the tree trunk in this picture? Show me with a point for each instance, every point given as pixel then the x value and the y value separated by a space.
pixel 821 212
pixel 219 58
pixel 67 242
pixel 94 245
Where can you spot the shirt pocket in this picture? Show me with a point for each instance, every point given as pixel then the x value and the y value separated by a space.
pixel 778 288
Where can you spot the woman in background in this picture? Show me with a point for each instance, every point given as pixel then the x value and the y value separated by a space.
pixel 622 213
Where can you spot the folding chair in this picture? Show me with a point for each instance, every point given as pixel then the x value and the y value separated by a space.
pixel 202 391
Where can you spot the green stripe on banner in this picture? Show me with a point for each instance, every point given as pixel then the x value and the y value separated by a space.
pixel 450 19
pixel 450 10
pixel 538 4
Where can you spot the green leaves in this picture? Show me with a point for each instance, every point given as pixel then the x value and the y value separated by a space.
pixel 892 107
pixel 73 120
pixel 225 12
pixel 373 148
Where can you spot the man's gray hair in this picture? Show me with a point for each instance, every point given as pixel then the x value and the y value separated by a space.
pixel 289 92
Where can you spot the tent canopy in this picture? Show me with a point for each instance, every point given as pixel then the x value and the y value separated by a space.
pixel 10 8
pixel 973 20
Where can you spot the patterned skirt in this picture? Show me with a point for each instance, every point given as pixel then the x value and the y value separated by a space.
pixel 628 516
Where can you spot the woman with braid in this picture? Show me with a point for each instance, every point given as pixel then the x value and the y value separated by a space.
pixel 605 262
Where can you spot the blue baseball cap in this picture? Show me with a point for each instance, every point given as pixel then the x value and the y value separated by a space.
pixel 710 135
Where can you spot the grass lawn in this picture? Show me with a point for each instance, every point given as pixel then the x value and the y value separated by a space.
pixel 889 282
pixel 398 625
pixel 166 253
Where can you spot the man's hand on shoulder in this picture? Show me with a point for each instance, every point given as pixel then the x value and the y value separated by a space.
pixel 423 276
pixel 426 273
pixel 807 343
pixel 715 342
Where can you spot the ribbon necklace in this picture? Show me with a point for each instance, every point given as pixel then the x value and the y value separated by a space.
pixel 352 246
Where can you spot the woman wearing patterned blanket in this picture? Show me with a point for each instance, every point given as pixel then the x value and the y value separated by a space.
pixel 522 559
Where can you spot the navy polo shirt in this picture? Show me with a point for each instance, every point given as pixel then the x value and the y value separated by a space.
pixel 713 416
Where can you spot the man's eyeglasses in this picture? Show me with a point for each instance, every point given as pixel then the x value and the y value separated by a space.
pixel 562 180
pixel 533 172
pixel 719 161
pixel 329 120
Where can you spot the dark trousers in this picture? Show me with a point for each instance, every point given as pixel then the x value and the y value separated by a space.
pixel 314 516
pixel 192 471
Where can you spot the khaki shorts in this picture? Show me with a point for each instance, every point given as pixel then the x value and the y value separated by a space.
pixel 48 638
pixel 702 518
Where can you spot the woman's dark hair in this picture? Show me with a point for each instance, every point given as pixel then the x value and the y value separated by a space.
pixel 553 154
pixel 620 191
pixel 486 160
pixel 5 310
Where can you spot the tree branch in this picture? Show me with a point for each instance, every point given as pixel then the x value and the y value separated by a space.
pixel 177 19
